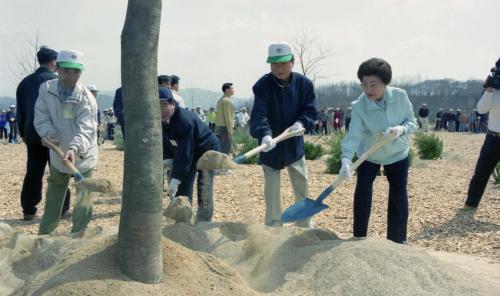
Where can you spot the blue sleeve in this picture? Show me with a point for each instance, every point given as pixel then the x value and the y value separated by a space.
pixel 20 108
pixel 309 113
pixel 184 153
pixel 259 124
pixel 118 104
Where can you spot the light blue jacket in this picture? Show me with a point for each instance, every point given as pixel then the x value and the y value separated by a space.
pixel 368 120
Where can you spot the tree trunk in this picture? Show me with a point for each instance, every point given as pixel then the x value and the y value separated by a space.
pixel 139 235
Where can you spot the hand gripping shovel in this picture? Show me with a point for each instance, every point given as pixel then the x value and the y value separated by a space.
pixel 213 160
pixel 82 183
pixel 307 207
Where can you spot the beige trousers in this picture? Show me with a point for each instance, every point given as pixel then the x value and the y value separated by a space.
pixel 272 183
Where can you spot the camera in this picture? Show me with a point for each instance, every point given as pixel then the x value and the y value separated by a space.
pixel 493 79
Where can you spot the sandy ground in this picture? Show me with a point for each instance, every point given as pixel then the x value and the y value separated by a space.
pixel 436 191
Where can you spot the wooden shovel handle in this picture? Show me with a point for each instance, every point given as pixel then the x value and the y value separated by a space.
pixel 286 134
pixel 381 140
pixel 60 153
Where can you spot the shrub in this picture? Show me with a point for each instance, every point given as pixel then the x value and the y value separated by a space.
pixel 429 146
pixel 313 151
pixel 243 142
pixel 411 157
pixel 496 174
pixel 118 141
pixel 333 163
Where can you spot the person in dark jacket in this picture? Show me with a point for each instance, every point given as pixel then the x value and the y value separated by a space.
pixel 283 99
pixel 13 128
pixel 439 119
pixel 118 109
pixel 185 139
pixel 38 155
pixel 3 124
pixel 423 114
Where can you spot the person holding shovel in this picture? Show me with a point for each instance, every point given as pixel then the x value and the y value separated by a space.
pixel 185 139
pixel 66 115
pixel 283 99
pixel 380 108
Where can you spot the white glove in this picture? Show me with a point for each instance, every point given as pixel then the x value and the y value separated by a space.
pixel 296 126
pixel 173 186
pixel 345 170
pixel 268 140
pixel 398 130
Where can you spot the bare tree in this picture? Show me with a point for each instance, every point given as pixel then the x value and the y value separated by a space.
pixel 139 235
pixel 311 56
pixel 26 61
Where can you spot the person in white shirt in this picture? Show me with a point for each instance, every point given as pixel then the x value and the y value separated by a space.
pixel 174 86
pixel 242 118
pixel 490 151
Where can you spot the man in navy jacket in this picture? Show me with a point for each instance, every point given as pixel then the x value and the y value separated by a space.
pixel 185 139
pixel 282 99
pixel 38 155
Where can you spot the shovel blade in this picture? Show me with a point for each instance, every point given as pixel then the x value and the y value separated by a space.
pixel 301 210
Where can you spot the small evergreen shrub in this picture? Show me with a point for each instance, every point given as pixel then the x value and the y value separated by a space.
pixel 243 142
pixel 313 151
pixel 118 138
pixel 496 174
pixel 429 146
pixel 333 162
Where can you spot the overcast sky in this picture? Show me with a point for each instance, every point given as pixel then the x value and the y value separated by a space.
pixel 208 42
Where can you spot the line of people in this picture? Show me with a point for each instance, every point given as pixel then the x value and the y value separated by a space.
pixel 62 110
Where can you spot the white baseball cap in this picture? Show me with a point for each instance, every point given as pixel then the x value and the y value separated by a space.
pixel 70 59
pixel 92 87
pixel 279 53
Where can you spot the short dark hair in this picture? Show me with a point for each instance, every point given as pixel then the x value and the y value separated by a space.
pixel 226 86
pixel 376 67
pixel 175 79
pixel 164 78
pixel 45 55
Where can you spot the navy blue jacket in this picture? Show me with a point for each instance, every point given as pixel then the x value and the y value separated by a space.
pixel 118 106
pixel 26 96
pixel 275 109
pixel 185 139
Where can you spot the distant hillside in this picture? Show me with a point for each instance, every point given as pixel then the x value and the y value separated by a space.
pixel 437 93
pixel 5 102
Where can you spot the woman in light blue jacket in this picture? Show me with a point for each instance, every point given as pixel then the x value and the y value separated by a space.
pixel 380 108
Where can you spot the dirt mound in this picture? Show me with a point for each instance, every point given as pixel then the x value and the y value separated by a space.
pixel 231 259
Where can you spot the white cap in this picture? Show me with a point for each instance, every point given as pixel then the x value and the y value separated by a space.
pixel 279 53
pixel 12 106
pixel 70 59
pixel 92 87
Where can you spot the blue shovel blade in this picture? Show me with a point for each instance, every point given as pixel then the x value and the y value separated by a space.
pixel 302 209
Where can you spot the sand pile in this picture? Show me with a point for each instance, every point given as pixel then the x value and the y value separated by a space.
pixel 292 261
pixel 231 259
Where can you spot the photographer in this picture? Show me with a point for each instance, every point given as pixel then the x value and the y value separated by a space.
pixel 490 151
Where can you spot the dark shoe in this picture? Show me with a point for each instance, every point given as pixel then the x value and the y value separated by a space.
pixel 27 217
pixel 66 215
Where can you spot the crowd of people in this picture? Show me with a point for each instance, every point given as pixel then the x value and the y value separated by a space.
pixel 61 110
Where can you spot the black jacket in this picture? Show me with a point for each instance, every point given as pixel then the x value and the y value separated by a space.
pixel 423 112
pixel 185 139
pixel 275 109
pixel 26 96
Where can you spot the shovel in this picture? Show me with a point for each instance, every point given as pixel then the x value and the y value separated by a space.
pixel 213 160
pixel 82 183
pixel 307 207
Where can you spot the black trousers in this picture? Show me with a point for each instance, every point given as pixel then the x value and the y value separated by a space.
pixel 3 133
pixel 486 163
pixel 397 212
pixel 31 194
